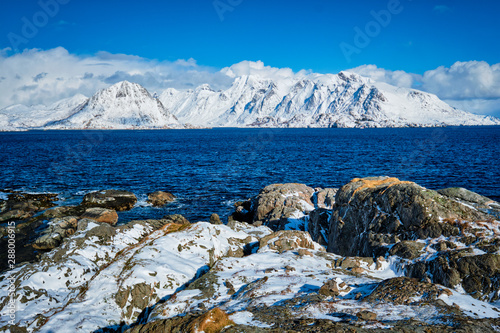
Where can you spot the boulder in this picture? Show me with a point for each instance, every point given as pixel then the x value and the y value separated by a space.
pixel 278 206
pixel 160 198
pixel 329 288
pixel 101 215
pixel 407 249
pixel 59 228
pixel 20 206
pixel 366 315
pixel 215 219
pixel 371 213
pixel 111 199
pixel 176 218
pixel 277 202
pixel 285 240
pixel 62 211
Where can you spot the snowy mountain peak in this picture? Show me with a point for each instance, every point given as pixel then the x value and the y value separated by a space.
pixel 314 100
pixel 123 105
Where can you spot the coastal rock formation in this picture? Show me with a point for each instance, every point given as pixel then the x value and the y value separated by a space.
pixel 111 199
pixel 400 257
pixel 20 206
pixel 372 212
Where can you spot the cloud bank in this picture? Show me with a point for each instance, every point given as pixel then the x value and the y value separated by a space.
pixel 46 76
pixel 472 86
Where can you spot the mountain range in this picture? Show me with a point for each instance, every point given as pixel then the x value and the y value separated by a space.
pixel 315 100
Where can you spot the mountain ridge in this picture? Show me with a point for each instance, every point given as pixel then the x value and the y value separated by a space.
pixel 314 100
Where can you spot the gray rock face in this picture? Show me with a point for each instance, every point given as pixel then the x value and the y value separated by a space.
pixel 373 212
pixel 407 249
pixel 111 199
pixel 468 197
pixel 318 225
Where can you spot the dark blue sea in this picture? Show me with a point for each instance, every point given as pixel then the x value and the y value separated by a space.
pixel 208 170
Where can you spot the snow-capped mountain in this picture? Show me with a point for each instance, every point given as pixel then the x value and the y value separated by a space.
pixel 123 105
pixel 21 116
pixel 313 100
pixel 316 100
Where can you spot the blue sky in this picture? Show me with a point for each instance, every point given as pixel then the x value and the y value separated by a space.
pixel 423 39
pixel 295 34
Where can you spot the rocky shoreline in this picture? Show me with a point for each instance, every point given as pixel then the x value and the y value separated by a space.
pixel 377 254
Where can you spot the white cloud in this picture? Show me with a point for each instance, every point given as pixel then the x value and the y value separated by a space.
pixel 464 80
pixel 257 68
pixel 471 86
pixel 480 106
pixel 396 78
pixel 45 76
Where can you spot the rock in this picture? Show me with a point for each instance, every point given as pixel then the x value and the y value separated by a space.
pixel 478 201
pixel 354 262
pixel 304 252
pixel 329 288
pixel 176 218
pixel 215 219
pixel 371 213
pixel 15 215
pixel 318 225
pixel 20 206
pixel 285 240
pixel 325 198
pixel 478 274
pixel 111 199
pixel 59 228
pixel 357 270
pixel 212 321
pixel 366 315
pixel 404 291
pixel 101 215
pixel 242 212
pixel 63 211
pixel 160 198
pixel 443 246
pixel 407 249
pixel 277 206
